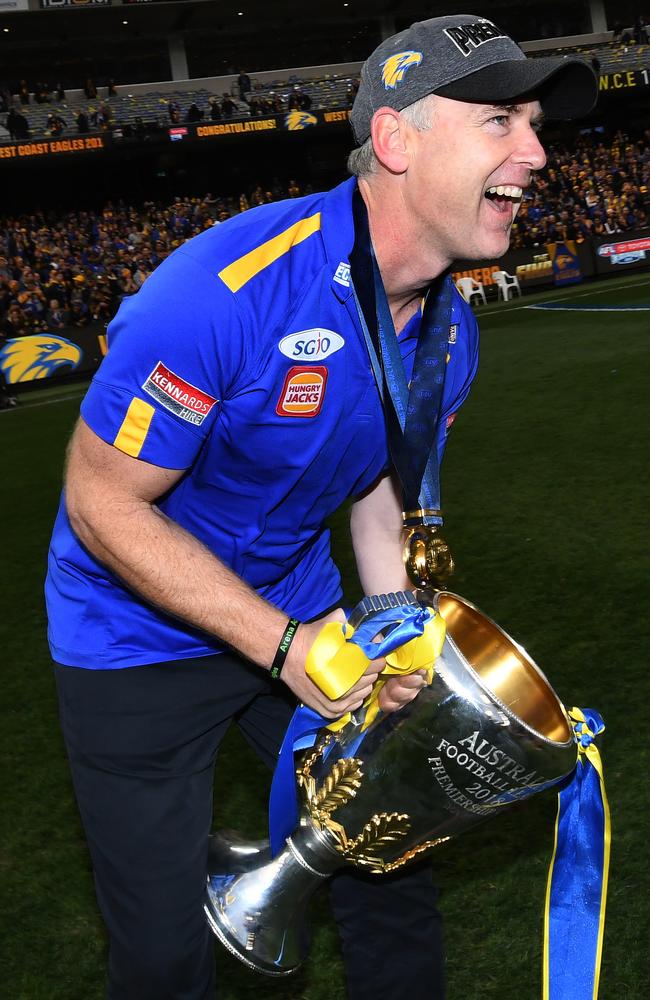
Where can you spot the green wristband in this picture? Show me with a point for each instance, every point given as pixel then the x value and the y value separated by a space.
pixel 283 648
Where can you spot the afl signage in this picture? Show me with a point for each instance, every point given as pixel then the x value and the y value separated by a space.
pixel 311 345
pixel 54 4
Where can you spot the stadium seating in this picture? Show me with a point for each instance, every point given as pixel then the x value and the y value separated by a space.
pixel 506 283
pixel 151 107
pixel 470 289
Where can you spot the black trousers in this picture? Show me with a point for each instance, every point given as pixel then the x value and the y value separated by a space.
pixel 142 744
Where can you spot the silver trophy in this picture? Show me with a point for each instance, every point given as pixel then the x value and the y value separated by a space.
pixel 486 732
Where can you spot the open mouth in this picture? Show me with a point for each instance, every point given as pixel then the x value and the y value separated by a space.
pixel 503 196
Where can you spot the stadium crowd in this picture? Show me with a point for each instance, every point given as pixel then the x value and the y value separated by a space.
pixel 59 270
pixel 597 187
pixel 62 270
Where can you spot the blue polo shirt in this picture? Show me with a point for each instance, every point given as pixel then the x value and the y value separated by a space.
pixel 241 360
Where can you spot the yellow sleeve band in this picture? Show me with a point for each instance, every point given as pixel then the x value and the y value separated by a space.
pixel 135 427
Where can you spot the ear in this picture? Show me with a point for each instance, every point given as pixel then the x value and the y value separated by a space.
pixel 388 131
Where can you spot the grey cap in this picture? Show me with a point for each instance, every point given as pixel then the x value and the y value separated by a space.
pixel 467 58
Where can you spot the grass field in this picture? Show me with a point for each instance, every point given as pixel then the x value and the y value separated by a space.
pixel 545 488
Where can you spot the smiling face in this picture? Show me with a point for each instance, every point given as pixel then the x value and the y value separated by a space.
pixel 466 176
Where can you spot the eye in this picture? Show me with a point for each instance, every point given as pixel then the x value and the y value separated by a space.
pixel 501 120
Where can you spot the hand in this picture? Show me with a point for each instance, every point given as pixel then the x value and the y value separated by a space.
pixel 294 676
pixel 399 690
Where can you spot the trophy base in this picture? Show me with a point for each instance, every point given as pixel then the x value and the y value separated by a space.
pixel 259 915
pixel 235 947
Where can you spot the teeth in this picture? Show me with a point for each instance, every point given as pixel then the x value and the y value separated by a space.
pixel 509 190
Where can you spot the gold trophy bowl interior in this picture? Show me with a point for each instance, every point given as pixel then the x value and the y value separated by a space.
pixel 504 668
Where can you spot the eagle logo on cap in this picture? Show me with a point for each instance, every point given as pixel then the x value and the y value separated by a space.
pixel 395 67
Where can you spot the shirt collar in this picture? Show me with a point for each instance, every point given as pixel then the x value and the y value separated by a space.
pixel 337 229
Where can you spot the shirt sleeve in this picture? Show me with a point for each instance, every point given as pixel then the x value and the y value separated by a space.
pixel 175 349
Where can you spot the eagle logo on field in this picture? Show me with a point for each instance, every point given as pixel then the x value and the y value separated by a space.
pixel 395 67
pixel 38 356
pixel 296 120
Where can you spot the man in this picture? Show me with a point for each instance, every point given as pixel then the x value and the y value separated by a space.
pixel 244 84
pixel 56 318
pixel 235 411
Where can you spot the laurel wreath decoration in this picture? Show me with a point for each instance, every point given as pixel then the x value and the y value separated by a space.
pixel 415 852
pixel 339 787
pixel 381 829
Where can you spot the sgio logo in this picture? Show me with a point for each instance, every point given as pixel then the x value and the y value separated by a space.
pixel 313 345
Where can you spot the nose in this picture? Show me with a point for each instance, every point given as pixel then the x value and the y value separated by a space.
pixel 530 150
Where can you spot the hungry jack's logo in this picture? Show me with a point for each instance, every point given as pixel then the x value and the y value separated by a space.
pixel 303 392
pixel 395 67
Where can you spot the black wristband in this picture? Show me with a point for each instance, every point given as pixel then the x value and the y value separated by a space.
pixel 283 648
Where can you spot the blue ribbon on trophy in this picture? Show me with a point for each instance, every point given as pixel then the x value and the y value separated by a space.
pixel 577 882
pixel 399 625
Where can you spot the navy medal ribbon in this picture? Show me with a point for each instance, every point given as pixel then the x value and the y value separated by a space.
pixel 412 412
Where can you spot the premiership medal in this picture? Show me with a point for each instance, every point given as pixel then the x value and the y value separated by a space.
pixel 427 557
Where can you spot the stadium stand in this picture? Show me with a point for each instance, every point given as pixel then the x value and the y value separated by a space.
pixel 147 107
pixel 83 263
pixel 80 264
pixel 128 111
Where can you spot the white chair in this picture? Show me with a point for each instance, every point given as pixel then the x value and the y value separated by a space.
pixel 468 288
pixel 507 283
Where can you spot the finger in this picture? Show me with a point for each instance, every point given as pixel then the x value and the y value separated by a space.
pixel 348 703
pixel 354 701
pixel 410 682
pixel 388 704
pixel 396 696
pixel 415 680
pixel 375 666
pixel 363 684
pixel 326 712
pixel 366 680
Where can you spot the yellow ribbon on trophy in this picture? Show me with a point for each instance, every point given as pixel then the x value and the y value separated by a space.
pixel 336 662
pixel 576 893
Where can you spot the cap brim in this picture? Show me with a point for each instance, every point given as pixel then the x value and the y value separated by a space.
pixel 566 88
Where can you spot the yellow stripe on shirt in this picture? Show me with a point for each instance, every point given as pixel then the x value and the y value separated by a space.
pixel 236 275
pixel 135 426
